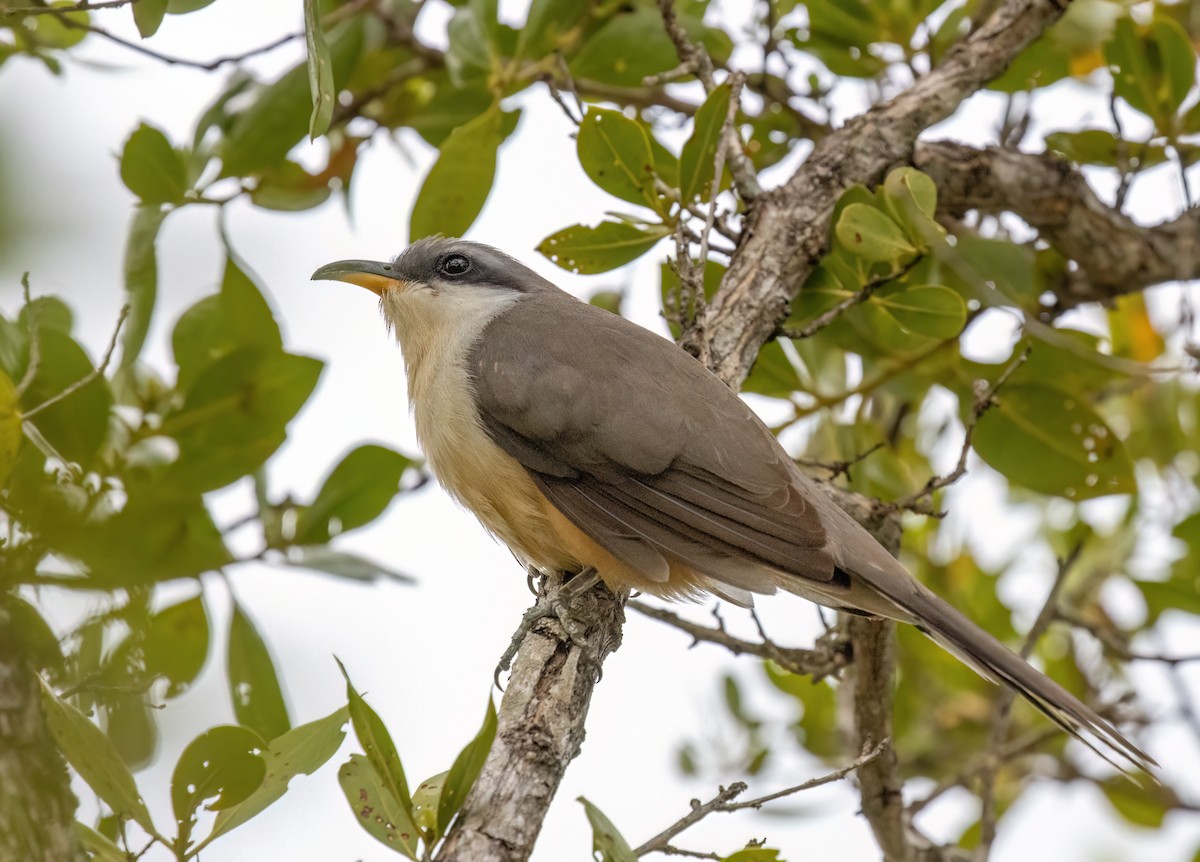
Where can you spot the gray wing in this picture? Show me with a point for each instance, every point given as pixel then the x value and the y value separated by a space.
pixel 643 448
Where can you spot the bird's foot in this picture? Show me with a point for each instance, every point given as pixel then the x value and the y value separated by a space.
pixel 554 600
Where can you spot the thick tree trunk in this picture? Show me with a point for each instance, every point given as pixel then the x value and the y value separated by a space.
pixel 37 807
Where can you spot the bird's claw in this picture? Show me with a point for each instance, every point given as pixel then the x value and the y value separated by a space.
pixel 555 601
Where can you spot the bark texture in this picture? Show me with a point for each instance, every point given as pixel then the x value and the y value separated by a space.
pixel 37 807
pixel 540 729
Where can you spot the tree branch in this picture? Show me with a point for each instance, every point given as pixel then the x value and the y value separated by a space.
pixel 787 229
pixel 540 728
pixel 828 657
pixel 1115 254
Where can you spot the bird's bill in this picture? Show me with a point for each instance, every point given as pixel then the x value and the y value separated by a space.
pixel 373 275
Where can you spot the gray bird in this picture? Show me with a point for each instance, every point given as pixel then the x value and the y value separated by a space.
pixel 585 442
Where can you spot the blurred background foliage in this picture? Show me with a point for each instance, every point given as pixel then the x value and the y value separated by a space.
pixel 107 463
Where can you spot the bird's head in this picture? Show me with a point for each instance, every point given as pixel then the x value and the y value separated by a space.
pixel 440 290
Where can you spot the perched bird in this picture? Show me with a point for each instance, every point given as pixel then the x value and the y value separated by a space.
pixel 584 441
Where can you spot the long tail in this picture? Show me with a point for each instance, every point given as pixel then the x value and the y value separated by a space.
pixel 991 659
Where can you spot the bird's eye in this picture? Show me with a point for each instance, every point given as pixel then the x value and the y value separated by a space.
pixel 455 264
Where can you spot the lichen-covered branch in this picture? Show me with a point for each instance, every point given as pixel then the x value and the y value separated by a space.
pixel 1116 255
pixel 787 229
pixel 540 728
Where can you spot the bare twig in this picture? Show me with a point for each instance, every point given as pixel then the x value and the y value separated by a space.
pixel 842 468
pixel 81 6
pixel 723 801
pixel 83 381
pixel 827 658
pixel 35 341
pixel 983 402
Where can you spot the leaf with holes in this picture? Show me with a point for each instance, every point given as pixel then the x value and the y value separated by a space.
pixel 608 245
pixel 615 154
pixel 253 682
pixel 302 749
pixel 375 809
pixel 221 764
pixel 1053 442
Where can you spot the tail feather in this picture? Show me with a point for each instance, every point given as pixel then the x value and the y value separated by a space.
pixel 949 628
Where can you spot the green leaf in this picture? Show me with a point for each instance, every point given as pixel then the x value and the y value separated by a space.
pixel 754 854
pixel 26 630
pixel 376 810
pixel 355 493
pixel 632 44
pixel 548 27
pixel 460 181
pixel 615 154
pixel 589 250
pixel 236 317
pixel 320 72
pixel 425 803
pixel 773 373
pixel 151 168
pixel 696 162
pixel 253 682
pixel 10 427
pixel 183 7
pixel 385 764
pixel 148 15
pixel 99 847
pixel 931 310
pixel 474 35
pixel 606 840
pixel 467 766
pixel 1102 147
pixel 234 415
pixel 341 563
pixel 93 756
pixel 141 280
pixel 78 425
pixel 287 187
pixel 1177 59
pixel 158 536
pixel 130 723
pixel 1140 806
pixel 1053 442
pixel 869 233
pixel 176 644
pixel 221 764
pixel 48 311
pixel 911 198
pixel 264 133
pixel 303 749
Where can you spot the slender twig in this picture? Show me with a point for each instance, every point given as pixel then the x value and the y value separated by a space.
pixel 828 657
pixel 842 468
pixel 1001 710
pixel 745 180
pixel 983 402
pixel 95 373
pixel 723 801
pixel 35 341
pixel 1118 644
pixel 81 6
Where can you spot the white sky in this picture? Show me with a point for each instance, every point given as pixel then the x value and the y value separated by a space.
pixel 425 655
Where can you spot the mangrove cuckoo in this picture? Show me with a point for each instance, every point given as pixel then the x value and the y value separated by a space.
pixel 583 441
